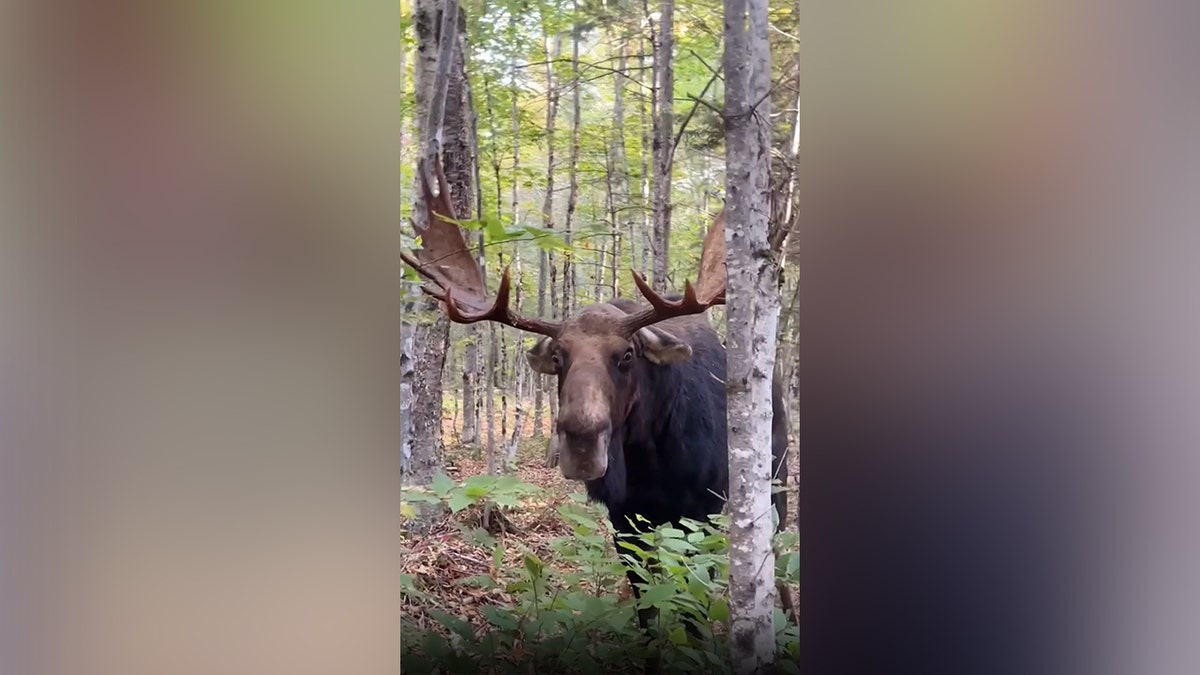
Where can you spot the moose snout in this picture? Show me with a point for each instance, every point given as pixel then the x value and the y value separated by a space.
pixel 583 450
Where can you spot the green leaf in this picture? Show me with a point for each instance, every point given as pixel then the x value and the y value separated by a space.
pixel 678 636
pixel 546 239
pixel 791 564
pixel 720 610
pixel 506 500
pixel 659 595
pixel 435 646
pixel 697 589
pixel 481 481
pixel 478 580
pixel 418 495
pixel 494 232
pixel 677 545
pixel 630 546
pixel 692 654
pixel 459 501
pixel 533 565
pixel 573 516
pixel 408 586
pixel 500 618
pixel 441 485
pixel 781 620
pixel 462 628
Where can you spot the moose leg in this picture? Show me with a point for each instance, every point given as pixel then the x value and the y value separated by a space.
pixel 646 616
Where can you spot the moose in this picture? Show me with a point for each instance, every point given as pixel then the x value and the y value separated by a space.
pixel 641 388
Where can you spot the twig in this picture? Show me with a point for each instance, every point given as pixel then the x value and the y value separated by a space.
pixel 695 104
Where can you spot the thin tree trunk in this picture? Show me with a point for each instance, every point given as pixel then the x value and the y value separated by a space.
pixel 470 374
pixel 499 377
pixel 510 452
pixel 753 313
pixel 491 418
pixel 569 273
pixel 598 279
pixel 664 125
pixel 644 124
pixel 619 167
pixel 548 205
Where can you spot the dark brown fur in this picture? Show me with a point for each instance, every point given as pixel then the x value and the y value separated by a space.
pixel 668 454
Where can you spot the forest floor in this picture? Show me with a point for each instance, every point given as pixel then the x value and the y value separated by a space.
pixel 440 561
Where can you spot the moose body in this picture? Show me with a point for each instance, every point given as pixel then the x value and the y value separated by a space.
pixel 641 387
pixel 669 459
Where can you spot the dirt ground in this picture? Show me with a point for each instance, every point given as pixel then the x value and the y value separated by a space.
pixel 440 560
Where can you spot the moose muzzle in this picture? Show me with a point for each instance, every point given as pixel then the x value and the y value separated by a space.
pixel 583 456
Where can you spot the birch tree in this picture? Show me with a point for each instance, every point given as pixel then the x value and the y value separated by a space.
pixel 664 128
pixel 545 260
pixel 752 314
pixel 443 104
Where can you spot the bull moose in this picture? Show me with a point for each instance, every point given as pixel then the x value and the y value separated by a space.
pixel 641 389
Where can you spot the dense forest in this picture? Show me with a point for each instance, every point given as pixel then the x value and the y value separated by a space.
pixel 580 142
pixel 574 173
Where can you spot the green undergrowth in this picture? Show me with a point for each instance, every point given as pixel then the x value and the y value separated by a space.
pixel 561 611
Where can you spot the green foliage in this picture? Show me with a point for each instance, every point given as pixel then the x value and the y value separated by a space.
pixel 566 614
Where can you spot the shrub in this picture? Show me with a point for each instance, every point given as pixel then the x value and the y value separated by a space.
pixel 569 616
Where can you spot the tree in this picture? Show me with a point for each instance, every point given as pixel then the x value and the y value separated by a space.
pixel 443 119
pixel 546 261
pixel 664 128
pixel 753 315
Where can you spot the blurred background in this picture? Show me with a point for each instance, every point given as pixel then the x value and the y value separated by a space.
pixel 997 320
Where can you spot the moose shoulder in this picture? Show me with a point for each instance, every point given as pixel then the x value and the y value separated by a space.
pixel 641 386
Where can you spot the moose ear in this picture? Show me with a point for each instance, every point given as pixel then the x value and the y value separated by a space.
pixel 661 347
pixel 540 356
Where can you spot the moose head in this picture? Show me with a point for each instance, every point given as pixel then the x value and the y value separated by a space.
pixel 598 354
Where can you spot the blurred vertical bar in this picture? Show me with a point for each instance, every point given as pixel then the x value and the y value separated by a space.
pixel 198 364
pixel 999 332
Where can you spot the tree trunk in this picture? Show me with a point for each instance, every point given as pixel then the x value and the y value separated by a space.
pixel 498 378
pixel 411 295
pixel 644 124
pixel 490 422
pixel 514 443
pixel 470 374
pixel 752 315
pixel 619 168
pixel 569 272
pixel 664 125
pixel 443 115
pixel 545 288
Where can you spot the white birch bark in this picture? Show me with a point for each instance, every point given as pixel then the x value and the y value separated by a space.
pixel 752 314
pixel 664 129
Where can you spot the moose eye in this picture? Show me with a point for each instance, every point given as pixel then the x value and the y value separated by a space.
pixel 556 359
pixel 626 359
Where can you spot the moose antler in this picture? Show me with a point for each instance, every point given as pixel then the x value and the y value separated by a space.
pixel 445 260
pixel 710 281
